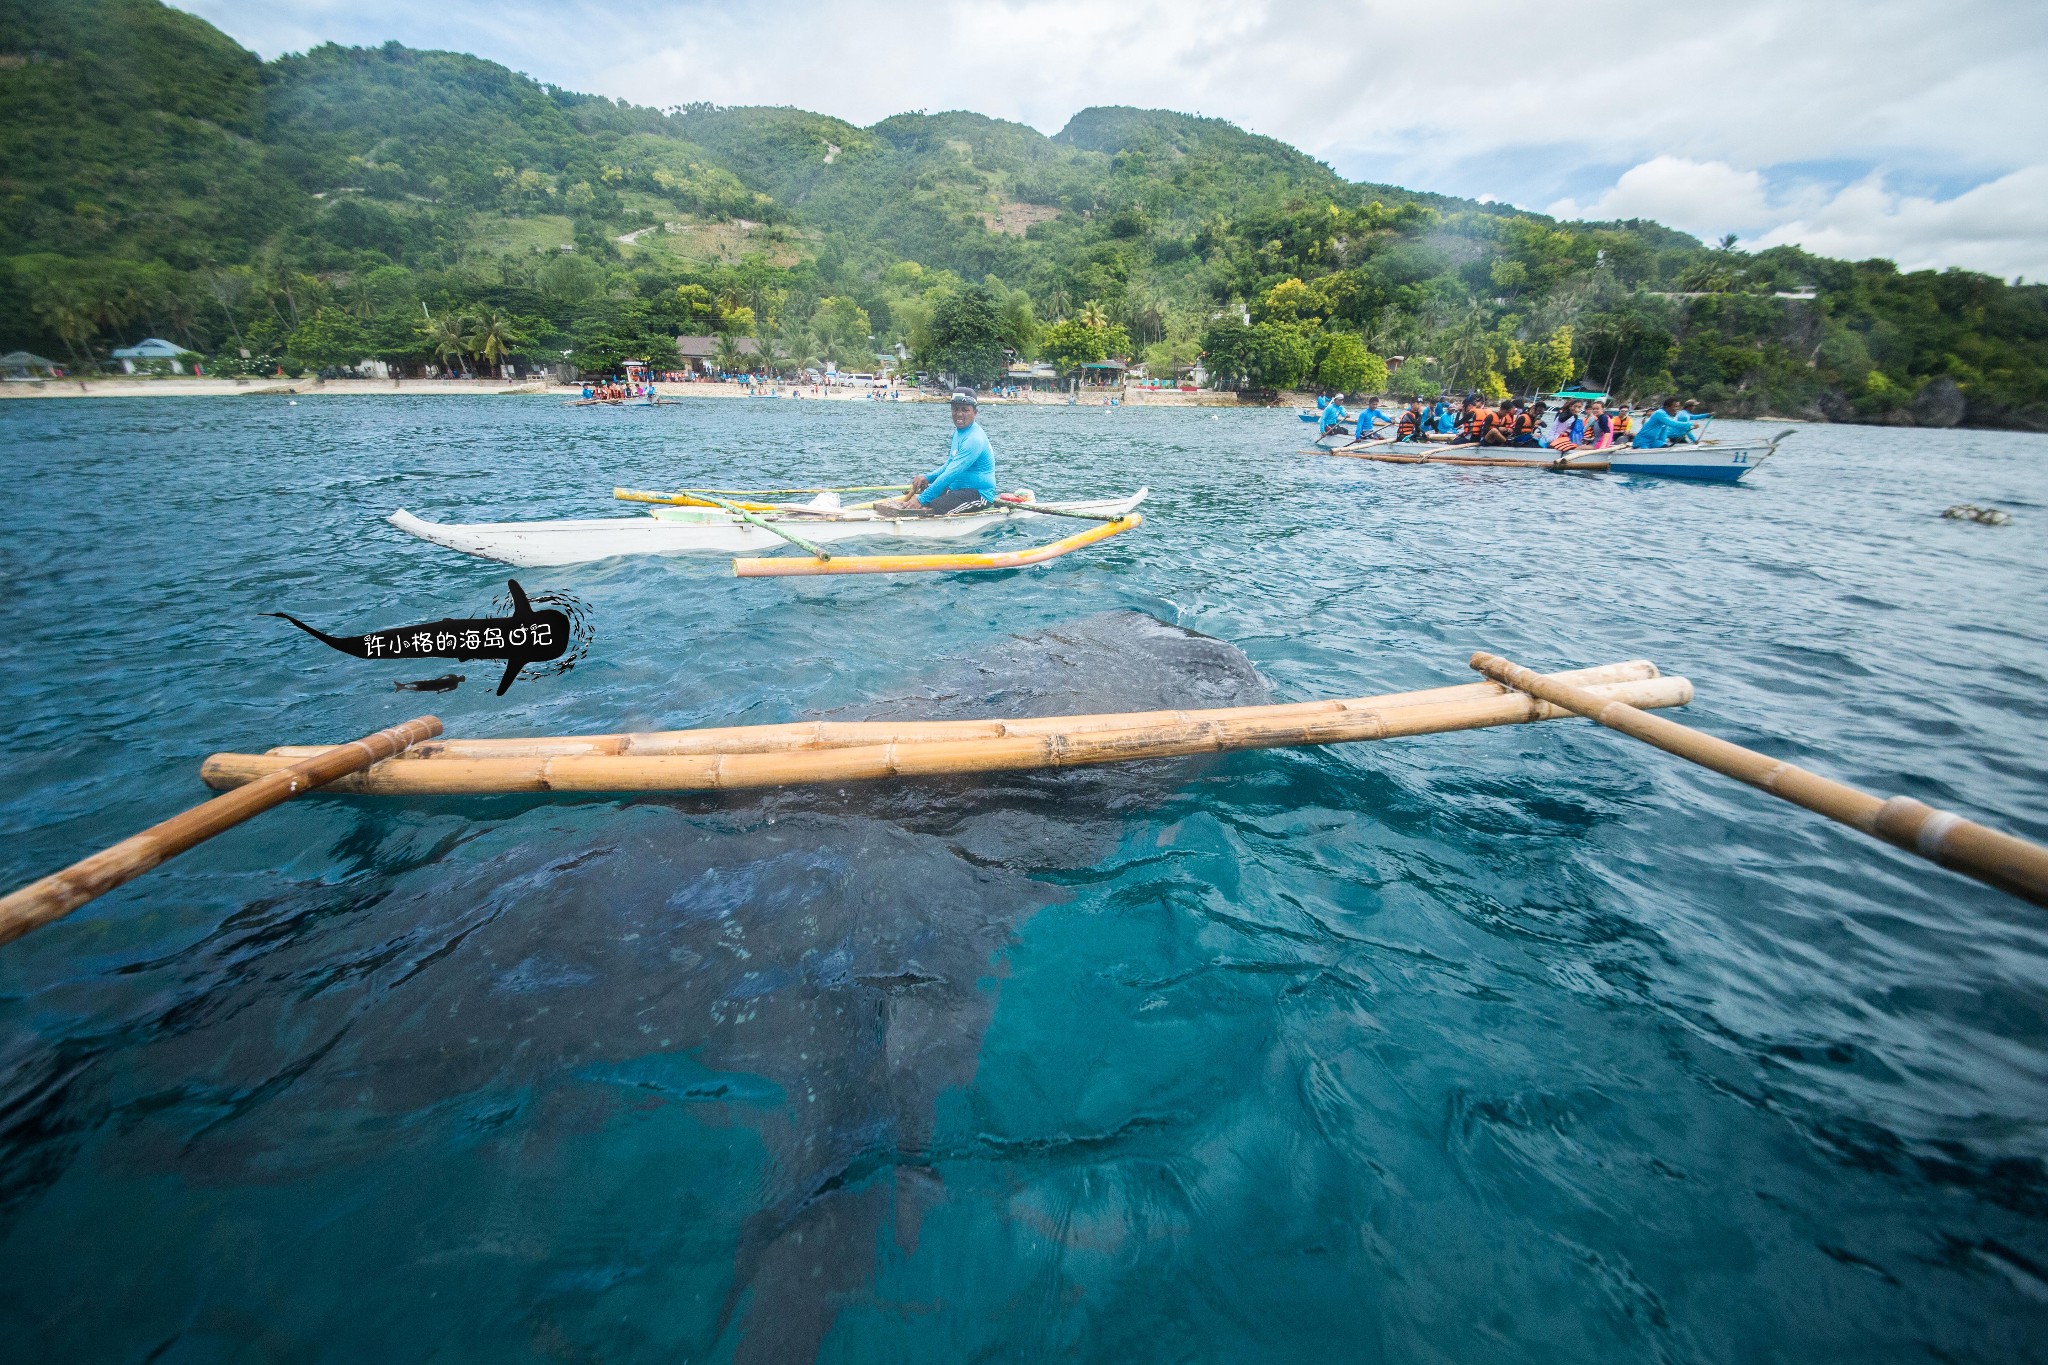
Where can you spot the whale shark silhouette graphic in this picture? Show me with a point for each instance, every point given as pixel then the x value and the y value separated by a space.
pixel 525 637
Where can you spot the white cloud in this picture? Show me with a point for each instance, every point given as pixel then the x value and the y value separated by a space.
pixel 1703 198
pixel 1997 227
pixel 1364 84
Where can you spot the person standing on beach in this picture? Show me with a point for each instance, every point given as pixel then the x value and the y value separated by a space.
pixel 967 478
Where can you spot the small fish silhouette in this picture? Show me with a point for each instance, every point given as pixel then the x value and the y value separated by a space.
pixel 525 637
pixel 447 682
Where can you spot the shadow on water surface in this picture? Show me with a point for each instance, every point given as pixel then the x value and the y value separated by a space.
pixel 815 967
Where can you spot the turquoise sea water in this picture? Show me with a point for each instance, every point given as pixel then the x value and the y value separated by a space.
pixel 1514 1045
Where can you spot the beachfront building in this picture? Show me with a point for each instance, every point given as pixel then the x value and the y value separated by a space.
pixel 696 352
pixel 21 366
pixel 153 355
pixel 1039 378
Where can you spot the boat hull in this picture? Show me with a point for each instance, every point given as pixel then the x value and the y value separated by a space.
pixel 549 544
pixel 1704 463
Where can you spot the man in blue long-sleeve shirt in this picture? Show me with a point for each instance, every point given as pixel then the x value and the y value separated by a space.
pixel 964 481
pixel 1667 426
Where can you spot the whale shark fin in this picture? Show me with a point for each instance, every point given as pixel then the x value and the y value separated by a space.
pixel 350 645
pixel 521 608
pixel 512 667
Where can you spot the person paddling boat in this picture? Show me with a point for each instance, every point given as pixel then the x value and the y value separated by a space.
pixel 967 478
pixel 1372 422
pixel 1668 425
pixel 1334 415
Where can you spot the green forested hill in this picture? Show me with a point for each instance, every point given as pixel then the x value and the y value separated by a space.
pixel 434 208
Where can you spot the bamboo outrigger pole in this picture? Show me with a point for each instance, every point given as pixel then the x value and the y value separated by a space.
pixel 954 563
pixel 60 893
pixel 2011 864
pixel 691 497
pixel 1193 732
pixel 850 734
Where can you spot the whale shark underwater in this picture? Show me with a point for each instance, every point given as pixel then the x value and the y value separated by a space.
pixel 682 1060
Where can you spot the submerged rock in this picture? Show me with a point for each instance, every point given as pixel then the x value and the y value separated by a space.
pixel 1969 511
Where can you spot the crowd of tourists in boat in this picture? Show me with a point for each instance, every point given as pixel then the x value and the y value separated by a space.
pixel 616 391
pixel 1573 424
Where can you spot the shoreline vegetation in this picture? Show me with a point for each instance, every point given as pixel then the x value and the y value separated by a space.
pixel 168 196
pixel 135 386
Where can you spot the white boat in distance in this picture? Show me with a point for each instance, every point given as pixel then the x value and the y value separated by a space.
pixel 713 530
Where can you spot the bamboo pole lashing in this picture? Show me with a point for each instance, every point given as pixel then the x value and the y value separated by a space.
pixel 2011 864
pixel 940 563
pixel 817 551
pixel 58 894
pixel 1054 749
pixel 842 734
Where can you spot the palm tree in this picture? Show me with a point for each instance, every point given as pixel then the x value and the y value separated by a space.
pixel 801 349
pixel 1092 316
pixel 1145 316
pixel 1467 349
pixel 727 357
pixel 1386 332
pixel 66 310
pixel 445 338
pixel 494 339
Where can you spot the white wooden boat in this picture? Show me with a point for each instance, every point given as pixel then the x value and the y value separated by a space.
pixel 1715 461
pixel 713 530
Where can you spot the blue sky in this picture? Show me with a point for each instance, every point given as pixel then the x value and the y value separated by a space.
pixel 1875 128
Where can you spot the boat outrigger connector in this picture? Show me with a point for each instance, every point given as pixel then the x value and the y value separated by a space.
pixel 822 563
pixel 408 760
pixel 2011 864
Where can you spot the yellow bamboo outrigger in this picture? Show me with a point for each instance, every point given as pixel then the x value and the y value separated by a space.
pixel 743 497
pixel 955 563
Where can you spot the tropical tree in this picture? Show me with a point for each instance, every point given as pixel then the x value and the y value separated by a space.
pixel 446 340
pixel 727 357
pixel 1281 356
pixel 1227 351
pixel 1017 321
pixel 1071 344
pixel 66 310
pixel 494 339
pixel 1271 355
pixel 1548 365
pixel 332 338
pixel 802 350
pixel 1350 368
pixel 966 336
pixel 841 324
pixel 1468 348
